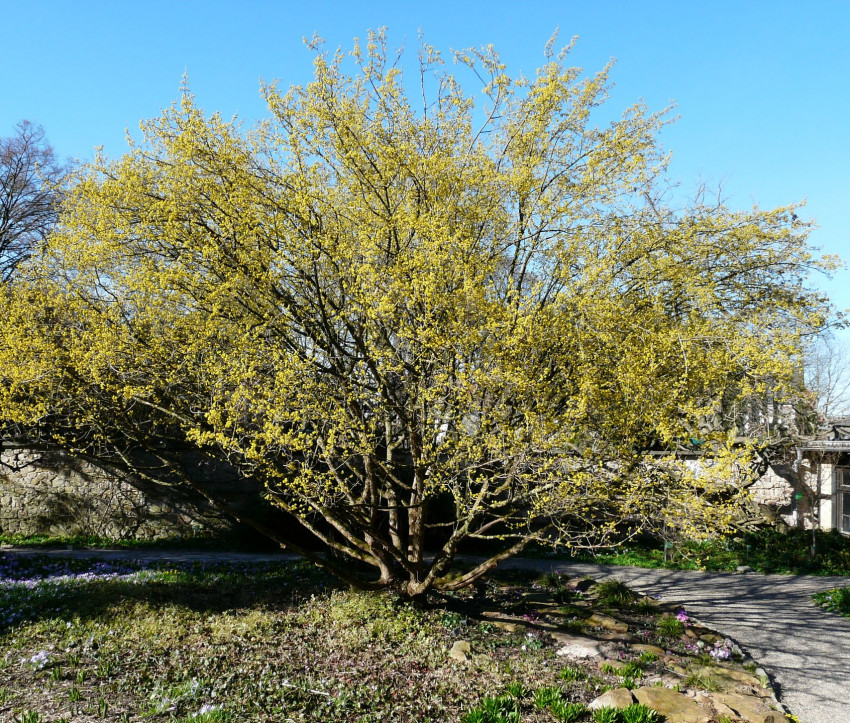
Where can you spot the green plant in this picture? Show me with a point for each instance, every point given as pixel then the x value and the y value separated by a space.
pixel 29 716
pixel 533 643
pixel 56 673
pixel 629 683
pixel 765 550
pixel 563 595
pixel 836 600
pixel 647 656
pixel 606 715
pixel 501 709
pixel 215 715
pixel 567 712
pixel 516 690
pixel 81 676
pixel 670 626
pixel 546 696
pixel 644 605
pixel 74 695
pixel 104 668
pixel 614 592
pixel 639 713
pixel 632 669
pixel 702 681
pixel 453 619
pixel 102 707
pixel 553 579
pixel 576 625
pixel 571 674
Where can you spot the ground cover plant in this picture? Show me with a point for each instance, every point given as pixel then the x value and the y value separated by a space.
pixel 238 540
pixel 85 641
pixel 767 550
pixel 836 600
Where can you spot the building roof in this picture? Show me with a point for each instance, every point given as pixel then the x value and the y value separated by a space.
pixel 826 445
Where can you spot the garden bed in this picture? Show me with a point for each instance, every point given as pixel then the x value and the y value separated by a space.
pixel 85 641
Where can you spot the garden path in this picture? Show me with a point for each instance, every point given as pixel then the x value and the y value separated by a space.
pixel 804 649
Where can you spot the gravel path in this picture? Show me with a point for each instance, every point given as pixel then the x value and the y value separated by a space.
pixel 804 649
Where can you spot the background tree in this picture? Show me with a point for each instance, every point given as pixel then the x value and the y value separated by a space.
pixel 29 178
pixel 826 365
pixel 414 327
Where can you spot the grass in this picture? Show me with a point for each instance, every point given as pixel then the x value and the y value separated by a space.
pixel 767 551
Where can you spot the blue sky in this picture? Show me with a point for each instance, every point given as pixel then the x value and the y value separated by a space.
pixel 762 88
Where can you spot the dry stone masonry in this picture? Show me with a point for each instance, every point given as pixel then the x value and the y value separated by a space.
pixel 54 493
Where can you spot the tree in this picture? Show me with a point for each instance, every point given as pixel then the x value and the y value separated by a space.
pixel 29 177
pixel 414 327
pixel 827 376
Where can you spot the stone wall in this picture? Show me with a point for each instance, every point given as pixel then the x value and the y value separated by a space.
pixel 774 490
pixel 54 493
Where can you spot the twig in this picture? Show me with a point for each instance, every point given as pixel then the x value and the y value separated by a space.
pixel 287 684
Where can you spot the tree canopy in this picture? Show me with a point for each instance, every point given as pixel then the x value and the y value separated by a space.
pixel 30 175
pixel 417 322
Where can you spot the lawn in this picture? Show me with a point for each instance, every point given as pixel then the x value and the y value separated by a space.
pixel 86 641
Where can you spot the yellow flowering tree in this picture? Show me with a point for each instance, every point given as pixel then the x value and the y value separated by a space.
pixel 416 322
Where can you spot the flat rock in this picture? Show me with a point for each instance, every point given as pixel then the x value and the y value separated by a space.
pixel 499 614
pixel 600 620
pixel 576 646
pixel 700 630
pixel 617 698
pixel 677 669
pixel 557 612
pixel 616 637
pixel 537 597
pixel 505 621
pixel 720 708
pixel 460 651
pixel 749 707
pixel 674 706
pixel 733 676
